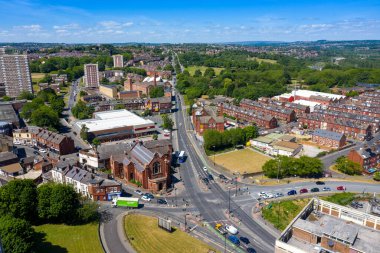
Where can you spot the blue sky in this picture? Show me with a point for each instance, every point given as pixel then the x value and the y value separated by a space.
pixel 83 21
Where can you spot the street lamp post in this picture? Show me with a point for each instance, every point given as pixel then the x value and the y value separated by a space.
pixel 229 201
pixel 175 196
pixel 214 154
pixel 278 169
pixel 225 243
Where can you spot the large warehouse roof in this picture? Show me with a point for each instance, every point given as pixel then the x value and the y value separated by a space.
pixel 113 119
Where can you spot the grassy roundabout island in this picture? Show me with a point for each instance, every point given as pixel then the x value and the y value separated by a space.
pixel 146 237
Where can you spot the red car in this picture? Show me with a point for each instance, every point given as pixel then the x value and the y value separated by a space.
pixel 304 190
pixel 341 188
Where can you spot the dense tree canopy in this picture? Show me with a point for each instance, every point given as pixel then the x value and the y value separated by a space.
pixel 156 92
pixel 283 166
pixel 347 166
pixel 82 111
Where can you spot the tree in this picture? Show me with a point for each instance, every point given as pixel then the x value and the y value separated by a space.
pixel 376 176
pixel 96 142
pixel 82 111
pixel 45 116
pixel 6 98
pixel 43 203
pixel 352 93
pixel 147 112
pixel 88 212
pixel 119 106
pixel 57 104
pixel 169 67
pixel 17 235
pixel 84 132
pixel 167 122
pixel 156 92
pixel 197 73
pixel 251 132
pixel 155 136
pixel 17 198
pixel 347 166
pixel 64 202
pixel 26 95
pixel 209 72
pixel 82 93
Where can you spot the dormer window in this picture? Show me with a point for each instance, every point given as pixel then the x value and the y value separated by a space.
pixel 156 168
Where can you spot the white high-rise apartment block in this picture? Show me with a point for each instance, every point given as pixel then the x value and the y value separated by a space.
pixel 14 74
pixel 118 61
pixel 91 75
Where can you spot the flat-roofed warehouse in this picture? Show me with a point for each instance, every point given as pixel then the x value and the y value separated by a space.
pixel 116 125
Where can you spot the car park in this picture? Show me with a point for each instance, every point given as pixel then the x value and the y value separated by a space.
pixel 356 204
pixel 320 183
pixel 278 195
pixel 326 189
pixel 341 188
pixel 304 190
pixel 244 240
pixel 231 229
pixel 315 189
pixel 292 192
pixel 139 192
pixel 234 239
pixel 146 198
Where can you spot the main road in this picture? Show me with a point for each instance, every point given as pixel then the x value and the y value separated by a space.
pixel 213 206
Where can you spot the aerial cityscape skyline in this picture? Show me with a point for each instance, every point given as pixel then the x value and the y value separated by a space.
pixel 185 21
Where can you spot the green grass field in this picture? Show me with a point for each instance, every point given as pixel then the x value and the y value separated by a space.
pixel 37 77
pixel 70 239
pixel 192 69
pixel 145 236
pixel 245 160
pixel 259 60
pixel 282 213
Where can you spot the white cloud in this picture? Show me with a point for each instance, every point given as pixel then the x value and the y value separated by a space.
pixel 31 28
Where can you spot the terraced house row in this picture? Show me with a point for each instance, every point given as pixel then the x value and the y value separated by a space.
pixel 261 119
pixel 274 110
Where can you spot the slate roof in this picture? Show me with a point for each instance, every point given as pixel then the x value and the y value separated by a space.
pixel 142 154
pixel 328 134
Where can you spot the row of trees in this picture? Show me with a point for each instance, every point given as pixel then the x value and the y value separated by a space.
pixel 44 110
pixel 284 166
pixel 216 141
pixel 22 205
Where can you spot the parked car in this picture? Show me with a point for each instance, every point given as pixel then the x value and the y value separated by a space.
pixel 262 194
pixel 36 152
pixel 270 196
pixel 17 143
pixel 149 195
pixel 320 183
pixel 210 177
pixel 220 228
pixel 292 192
pixel 315 189
pixel 162 201
pixel 244 239
pixel 234 239
pixel 223 177
pixel 341 188
pixel 356 204
pixel 205 180
pixel 41 150
pixel 326 189
pixel 146 198
pixel 251 250
pixel 231 229
pixel 304 190
pixel 139 192
pixel 278 195
pixel 205 169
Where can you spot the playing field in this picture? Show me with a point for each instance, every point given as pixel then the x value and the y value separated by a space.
pixel 192 69
pixel 245 160
pixel 260 60
pixel 37 76
pixel 145 237
pixel 60 238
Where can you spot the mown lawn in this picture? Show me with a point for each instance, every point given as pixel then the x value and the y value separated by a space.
pixel 245 160
pixel 37 76
pixel 280 214
pixel 192 69
pixel 260 60
pixel 59 238
pixel 145 236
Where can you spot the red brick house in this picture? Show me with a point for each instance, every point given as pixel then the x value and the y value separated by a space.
pixel 368 156
pixel 258 118
pixel 55 142
pixel 150 166
pixel 328 138
pixel 204 119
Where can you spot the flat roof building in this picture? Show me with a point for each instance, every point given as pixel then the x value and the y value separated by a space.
pixel 116 125
pixel 91 75
pixel 326 227
pixel 14 74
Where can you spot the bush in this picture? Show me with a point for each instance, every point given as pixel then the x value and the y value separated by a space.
pixel 348 167
pixel 376 176
pixel 343 198
pixel 88 212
